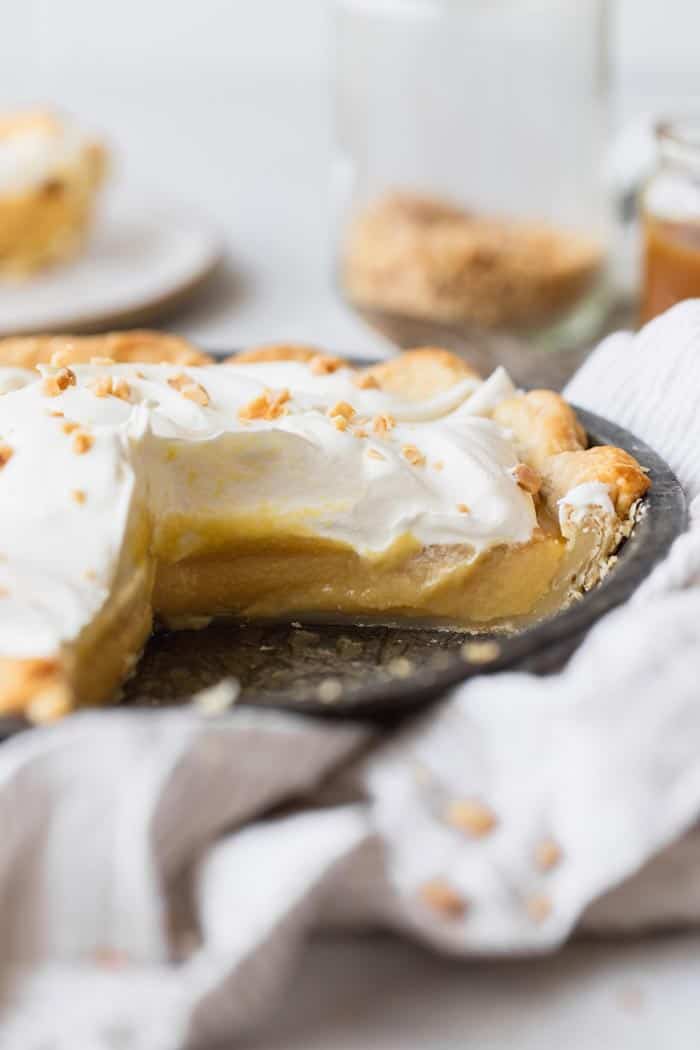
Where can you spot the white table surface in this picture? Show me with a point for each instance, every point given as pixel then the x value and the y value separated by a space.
pixel 255 158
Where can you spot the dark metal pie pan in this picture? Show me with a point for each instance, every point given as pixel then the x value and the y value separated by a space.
pixel 384 673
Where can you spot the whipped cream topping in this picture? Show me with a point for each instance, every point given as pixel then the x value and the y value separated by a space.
pixel 36 150
pixel 575 505
pixel 84 471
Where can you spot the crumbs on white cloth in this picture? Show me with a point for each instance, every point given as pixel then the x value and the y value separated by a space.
pixel 151 875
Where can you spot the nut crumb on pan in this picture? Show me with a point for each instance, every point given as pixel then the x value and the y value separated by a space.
pixel 480 652
pixel 470 816
pixel 218 698
pixel 329 690
pixel 443 898
pixel 400 667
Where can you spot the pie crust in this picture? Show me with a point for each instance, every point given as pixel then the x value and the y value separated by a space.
pixel 229 491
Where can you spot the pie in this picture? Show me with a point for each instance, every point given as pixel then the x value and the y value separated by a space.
pixel 49 178
pixel 138 478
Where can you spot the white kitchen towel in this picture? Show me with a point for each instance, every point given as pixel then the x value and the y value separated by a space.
pixel 160 872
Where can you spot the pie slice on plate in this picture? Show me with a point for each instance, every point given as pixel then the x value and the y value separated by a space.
pixel 138 478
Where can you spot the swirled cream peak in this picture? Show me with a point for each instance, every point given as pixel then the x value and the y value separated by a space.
pixel 99 456
pixel 35 146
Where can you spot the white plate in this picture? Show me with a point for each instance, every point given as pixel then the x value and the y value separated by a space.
pixel 144 254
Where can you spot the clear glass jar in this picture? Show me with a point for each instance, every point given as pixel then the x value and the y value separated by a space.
pixel 469 142
pixel 670 210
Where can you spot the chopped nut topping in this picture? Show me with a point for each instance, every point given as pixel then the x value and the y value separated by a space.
pixel 414 456
pixel 463 508
pixel 340 422
pixel 54 385
pixel 374 453
pixel 82 442
pixel 342 409
pixel 480 652
pixel 443 898
pixel 121 389
pixel 68 427
pixel 322 365
pixel 360 433
pixel 6 454
pixel 190 389
pixel 365 381
pixel 438 465
pixel 527 478
pixel 471 817
pixel 265 406
pixel 547 855
pixel 539 907
pixel 78 495
pixel 56 415
pixel 383 423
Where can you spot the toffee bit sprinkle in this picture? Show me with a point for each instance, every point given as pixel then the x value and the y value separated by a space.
pixel 323 365
pixel 78 495
pixel 56 415
pixel 366 381
pixel 443 898
pixel 342 409
pixel 189 388
pixel 265 406
pixel 121 389
pixel 329 690
pixel 470 816
pixel 82 442
pixel 383 423
pixel 539 907
pixel 480 652
pixel 101 387
pixel 547 855
pixel 414 456
pixel 6 454
pixel 340 422
pixel 68 427
pixel 56 384
pixel 527 478
pixel 374 453
pixel 463 508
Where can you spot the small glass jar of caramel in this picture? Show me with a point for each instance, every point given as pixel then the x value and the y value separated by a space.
pixel 670 209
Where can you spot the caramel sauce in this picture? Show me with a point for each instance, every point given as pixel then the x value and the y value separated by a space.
pixel 671 264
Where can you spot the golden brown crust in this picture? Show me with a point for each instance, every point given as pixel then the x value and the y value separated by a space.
pixel 543 423
pixel 617 470
pixel 421 373
pixel 138 346
pixel 274 352
pixel 551 439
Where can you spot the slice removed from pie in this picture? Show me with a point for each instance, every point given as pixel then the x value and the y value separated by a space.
pixel 138 479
